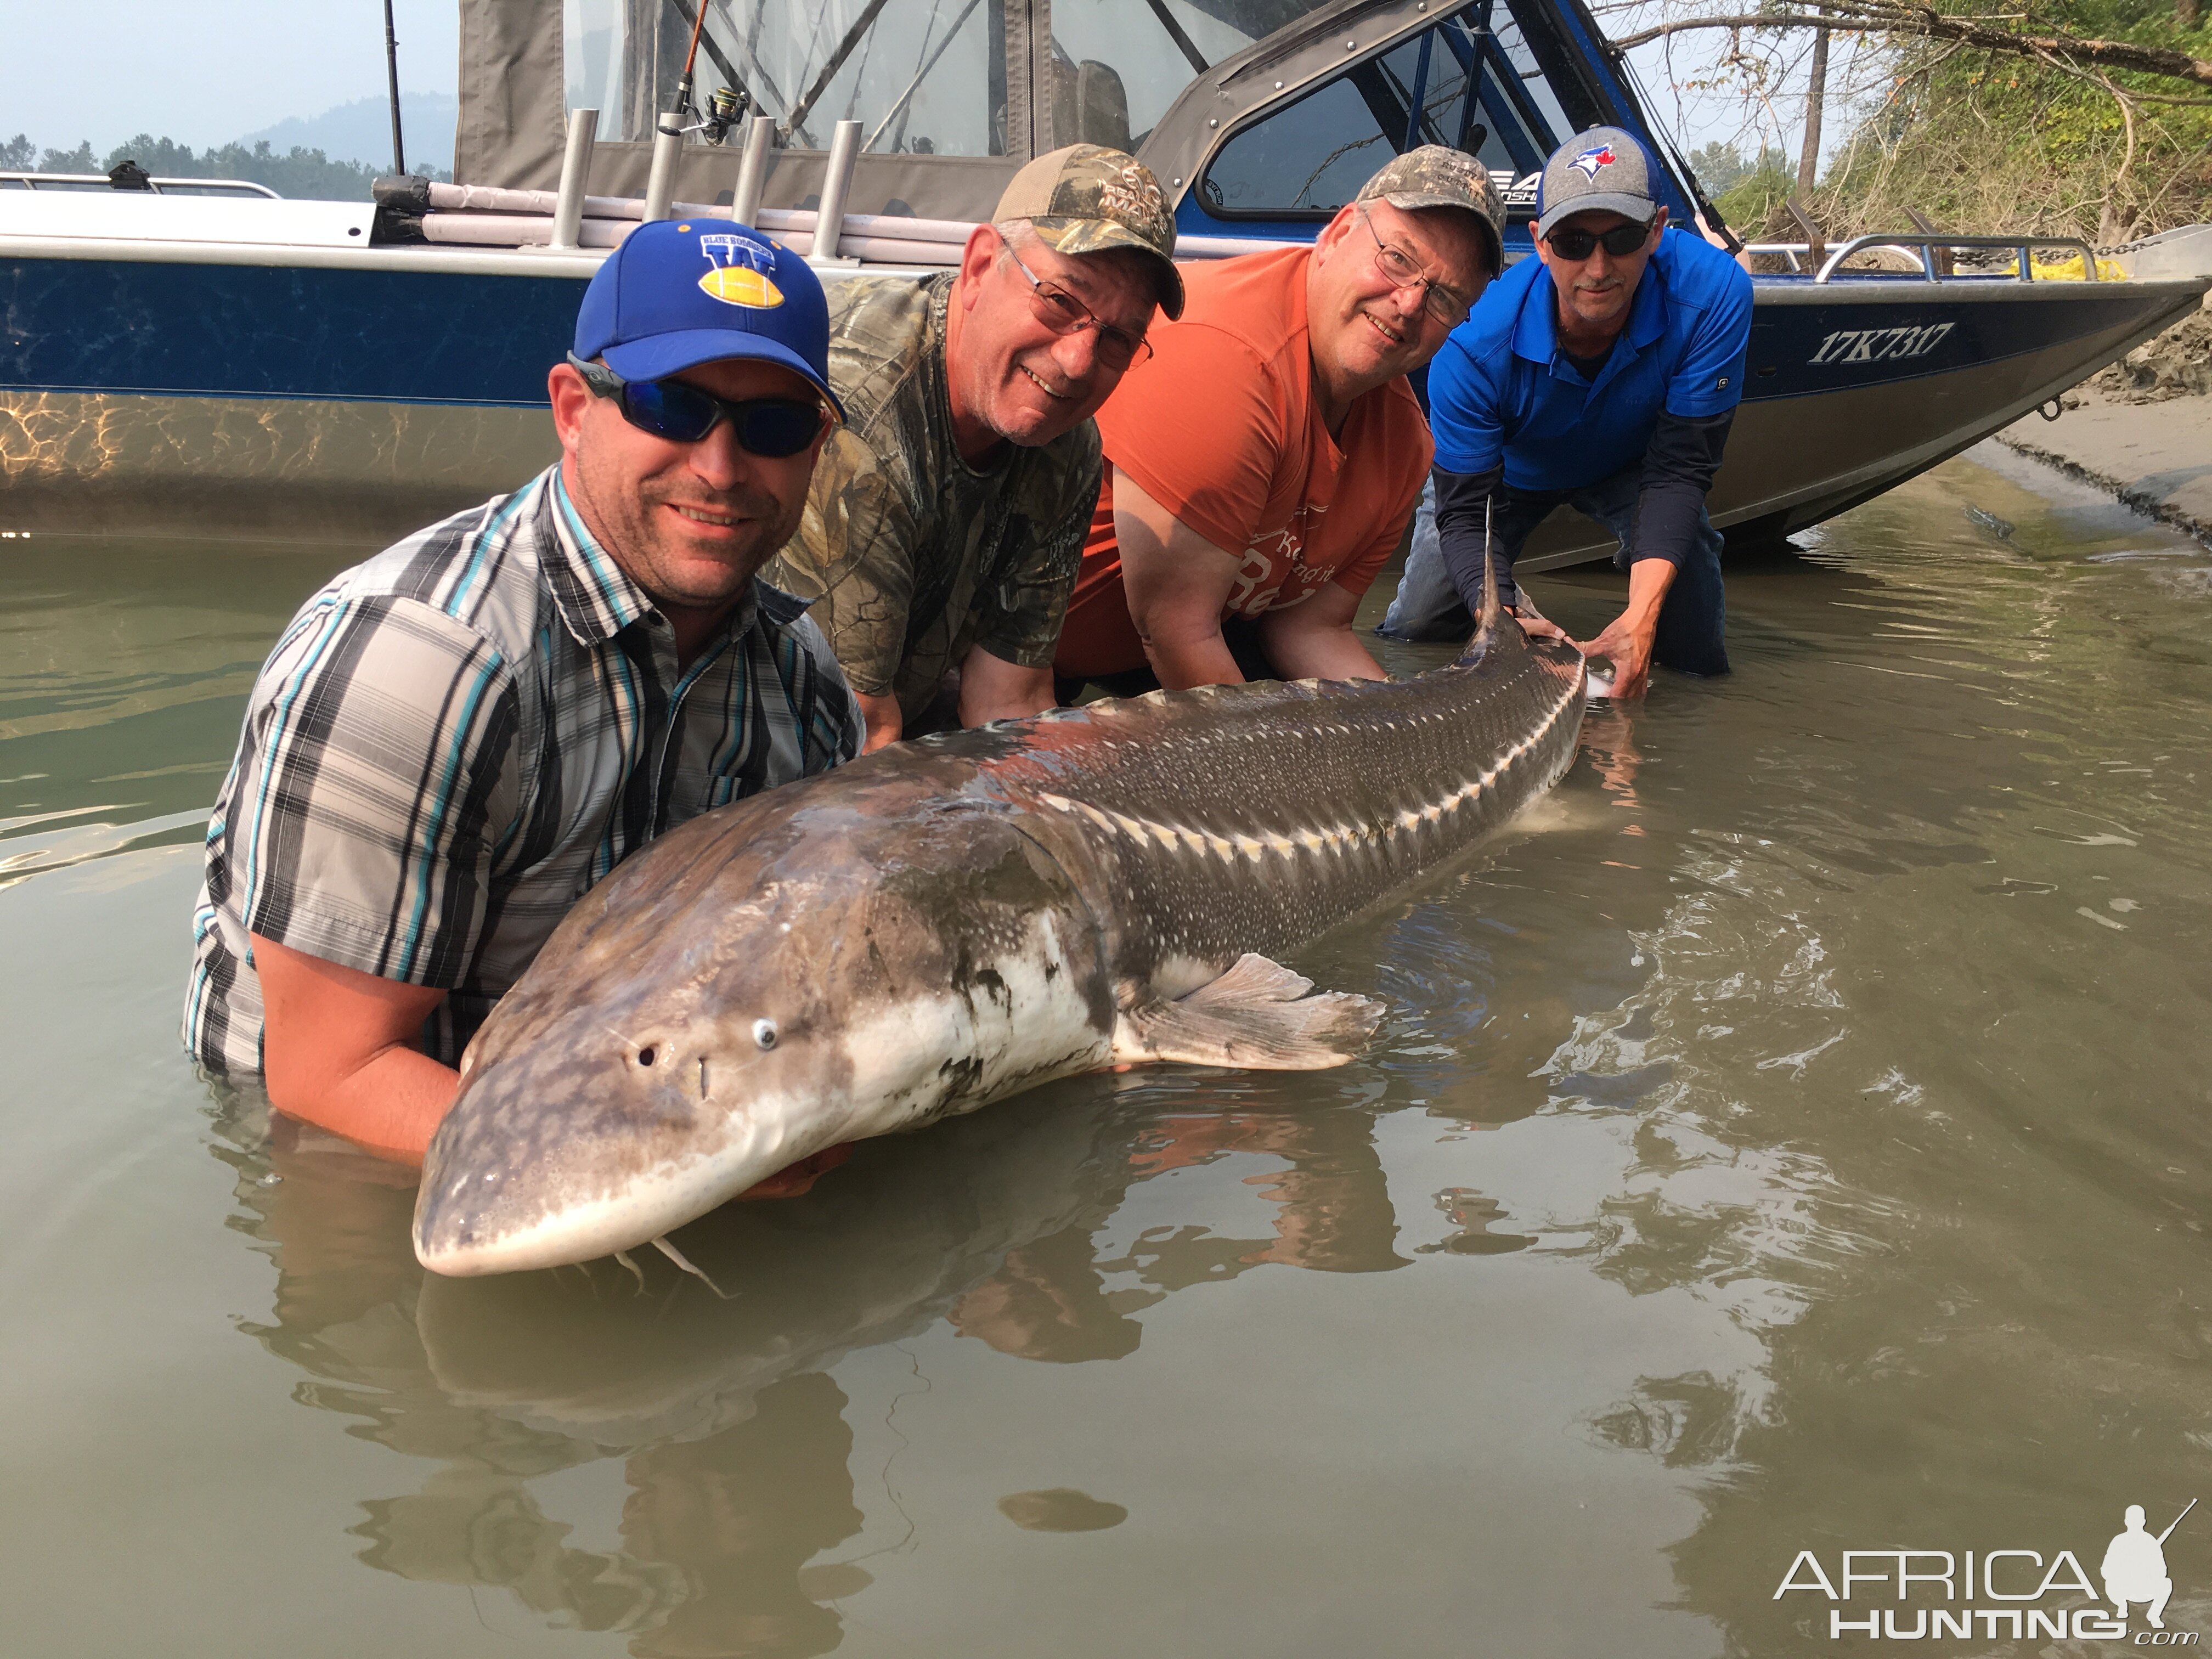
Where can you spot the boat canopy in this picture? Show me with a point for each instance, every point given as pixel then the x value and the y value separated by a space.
pixel 1261 116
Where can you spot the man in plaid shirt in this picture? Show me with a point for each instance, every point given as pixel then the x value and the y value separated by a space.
pixel 452 742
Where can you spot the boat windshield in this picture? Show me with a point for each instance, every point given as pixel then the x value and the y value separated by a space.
pixel 1492 79
pixel 925 77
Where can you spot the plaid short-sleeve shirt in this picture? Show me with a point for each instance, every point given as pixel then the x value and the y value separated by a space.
pixel 452 742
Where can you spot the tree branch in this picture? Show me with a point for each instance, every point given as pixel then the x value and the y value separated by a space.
pixel 1878 19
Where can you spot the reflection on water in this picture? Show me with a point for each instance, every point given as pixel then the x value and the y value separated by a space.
pixel 1792 1135
pixel 732 1438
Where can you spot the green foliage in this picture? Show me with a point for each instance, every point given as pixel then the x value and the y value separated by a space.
pixel 1718 166
pixel 79 160
pixel 1978 140
pixel 305 174
pixel 1753 200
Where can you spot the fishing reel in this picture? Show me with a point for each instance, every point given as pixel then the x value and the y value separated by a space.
pixel 725 110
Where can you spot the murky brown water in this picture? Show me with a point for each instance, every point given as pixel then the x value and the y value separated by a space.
pixel 1793 1136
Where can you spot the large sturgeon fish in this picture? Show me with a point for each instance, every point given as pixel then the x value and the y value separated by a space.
pixel 945 923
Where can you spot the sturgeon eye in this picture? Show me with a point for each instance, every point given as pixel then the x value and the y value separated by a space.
pixel 764 1033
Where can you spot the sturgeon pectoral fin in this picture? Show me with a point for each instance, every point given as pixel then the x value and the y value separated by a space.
pixel 1253 978
pixel 1257 1016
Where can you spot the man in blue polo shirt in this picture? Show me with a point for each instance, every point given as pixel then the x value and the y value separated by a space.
pixel 1602 375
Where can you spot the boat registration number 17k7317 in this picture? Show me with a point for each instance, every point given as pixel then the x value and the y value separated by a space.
pixel 1875 345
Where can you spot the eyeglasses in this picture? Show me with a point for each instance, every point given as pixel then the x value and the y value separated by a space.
pixel 1575 246
pixel 1444 304
pixel 1064 314
pixel 772 428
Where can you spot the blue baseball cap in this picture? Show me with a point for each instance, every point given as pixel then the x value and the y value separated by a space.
pixel 681 292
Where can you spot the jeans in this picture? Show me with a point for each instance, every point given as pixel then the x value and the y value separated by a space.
pixel 1693 618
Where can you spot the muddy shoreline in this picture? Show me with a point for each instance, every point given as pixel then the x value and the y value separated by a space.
pixel 2140 429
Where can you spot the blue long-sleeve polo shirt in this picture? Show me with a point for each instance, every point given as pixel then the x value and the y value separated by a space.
pixel 1505 400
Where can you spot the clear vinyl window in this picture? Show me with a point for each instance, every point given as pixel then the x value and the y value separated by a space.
pixel 1473 82
pixel 926 76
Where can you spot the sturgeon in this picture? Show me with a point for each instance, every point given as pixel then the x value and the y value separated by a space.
pixel 947 922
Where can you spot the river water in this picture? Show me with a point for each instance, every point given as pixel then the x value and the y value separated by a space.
pixel 1791 1136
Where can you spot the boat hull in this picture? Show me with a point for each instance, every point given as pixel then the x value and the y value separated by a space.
pixel 1856 385
pixel 217 391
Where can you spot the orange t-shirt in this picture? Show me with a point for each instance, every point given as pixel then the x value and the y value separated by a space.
pixel 1221 428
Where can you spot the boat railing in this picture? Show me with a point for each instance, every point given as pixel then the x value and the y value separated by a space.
pixel 482 216
pixel 1936 255
pixel 157 186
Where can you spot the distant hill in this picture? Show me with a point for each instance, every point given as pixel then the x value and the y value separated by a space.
pixel 362 131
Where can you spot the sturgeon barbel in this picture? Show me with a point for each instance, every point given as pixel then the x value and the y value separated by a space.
pixel 945 923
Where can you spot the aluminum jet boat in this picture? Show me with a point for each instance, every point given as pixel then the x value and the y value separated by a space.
pixel 190 363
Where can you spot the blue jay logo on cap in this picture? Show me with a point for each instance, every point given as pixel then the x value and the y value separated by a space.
pixel 1590 160
pixel 738 269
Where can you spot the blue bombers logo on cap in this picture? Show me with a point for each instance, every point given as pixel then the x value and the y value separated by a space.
pixel 679 293
pixel 741 273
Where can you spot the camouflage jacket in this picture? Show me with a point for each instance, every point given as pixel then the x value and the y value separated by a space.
pixel 912 556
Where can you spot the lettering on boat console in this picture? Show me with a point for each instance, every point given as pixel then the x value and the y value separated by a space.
pixel 1876 345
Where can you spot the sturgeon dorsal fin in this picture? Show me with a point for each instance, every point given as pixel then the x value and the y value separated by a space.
pixel 1490 618
pixel 1256 1016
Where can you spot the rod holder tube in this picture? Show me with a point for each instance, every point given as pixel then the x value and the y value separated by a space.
pixel 836 184
pixel 660 182
pixel 752 169
pixel 575 177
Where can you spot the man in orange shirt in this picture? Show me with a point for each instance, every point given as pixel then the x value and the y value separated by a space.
pixel 1261 466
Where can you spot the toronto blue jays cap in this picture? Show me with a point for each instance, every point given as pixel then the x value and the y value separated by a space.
pixel 1603 170
pixel 682 292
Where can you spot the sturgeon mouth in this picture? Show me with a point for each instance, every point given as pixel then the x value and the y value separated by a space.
pixel 459 1246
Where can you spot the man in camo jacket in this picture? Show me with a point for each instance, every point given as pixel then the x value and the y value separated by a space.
pixel 947 518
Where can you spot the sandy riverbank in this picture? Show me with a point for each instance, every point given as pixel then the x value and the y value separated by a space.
pixel 2142 428
pixel 2156 457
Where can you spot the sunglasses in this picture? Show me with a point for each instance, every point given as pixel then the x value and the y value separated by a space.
pixel 772 428
pixel 1576 245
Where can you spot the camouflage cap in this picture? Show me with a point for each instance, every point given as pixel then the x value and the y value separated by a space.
pixel 1435 176
pixel 1085 199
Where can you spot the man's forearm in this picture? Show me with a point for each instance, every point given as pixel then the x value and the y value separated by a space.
pixel 1183 661
pixel 1667 513
pixel 390 1105
pixel 335 1051
pixel 884 718
pixel 1679 464
pixel 993 689
pixel 1320 654
pixel 1648 582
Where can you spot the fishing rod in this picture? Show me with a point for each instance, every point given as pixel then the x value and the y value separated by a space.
pixel 728 107
pixel 392 69
pixel 690 56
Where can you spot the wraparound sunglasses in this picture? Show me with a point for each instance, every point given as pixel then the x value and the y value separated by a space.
pixel 774 427
pixel 1620 241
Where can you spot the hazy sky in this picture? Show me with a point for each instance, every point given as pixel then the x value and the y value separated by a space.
pixel 205 71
